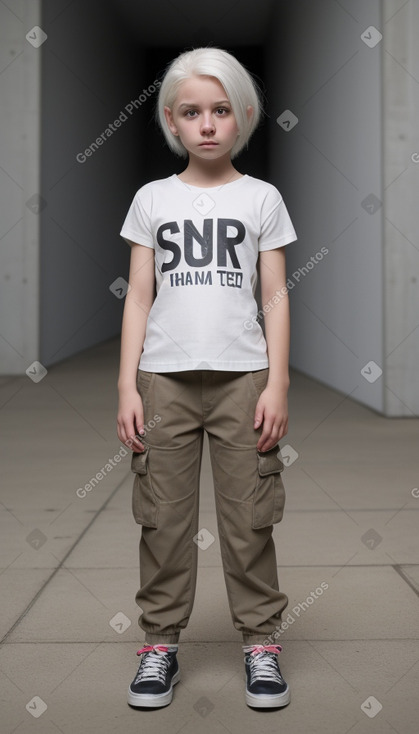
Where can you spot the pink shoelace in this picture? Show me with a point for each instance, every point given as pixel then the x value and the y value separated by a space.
pixel 150 648
pixel 255 649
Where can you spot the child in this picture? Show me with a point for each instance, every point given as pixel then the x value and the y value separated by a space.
pixel 195 358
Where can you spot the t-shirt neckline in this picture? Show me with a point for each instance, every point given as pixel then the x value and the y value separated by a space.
pixel 176 178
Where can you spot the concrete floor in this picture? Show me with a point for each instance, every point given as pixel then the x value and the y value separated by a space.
pixel 69 571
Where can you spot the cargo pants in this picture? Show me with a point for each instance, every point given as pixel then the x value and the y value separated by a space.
pixel 249 498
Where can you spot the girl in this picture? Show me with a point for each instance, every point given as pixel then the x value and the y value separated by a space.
pixel 194 358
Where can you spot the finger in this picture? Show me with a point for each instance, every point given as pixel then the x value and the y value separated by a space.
pixel 136 438
pixel 121 433
pixel 135 444
pixel 258 420
pixel 270 440
pixel 268 444
pixel 133 440
pixel 264 437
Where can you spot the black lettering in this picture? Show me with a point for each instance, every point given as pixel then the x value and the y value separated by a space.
pixel 234 280
pixel 169 245
pixel 177 279
pixel 227 244
pixel 205 240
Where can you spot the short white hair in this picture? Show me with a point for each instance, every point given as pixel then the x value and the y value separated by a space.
pixel 240 87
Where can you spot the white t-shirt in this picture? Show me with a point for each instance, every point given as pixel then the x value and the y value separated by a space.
pixel 206 243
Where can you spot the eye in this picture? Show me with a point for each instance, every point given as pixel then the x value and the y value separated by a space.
pixel 190 113
pixel 223 110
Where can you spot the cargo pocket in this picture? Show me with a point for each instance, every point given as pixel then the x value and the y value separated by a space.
pixel 269 495
pixel 145 381
pixel 144 502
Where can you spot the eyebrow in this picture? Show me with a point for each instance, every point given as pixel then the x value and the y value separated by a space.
pixel 193 104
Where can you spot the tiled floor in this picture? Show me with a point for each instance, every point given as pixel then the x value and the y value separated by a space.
pixel 70 564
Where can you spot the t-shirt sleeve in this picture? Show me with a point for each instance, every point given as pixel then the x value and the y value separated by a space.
pixel 277 229
pixel 137 226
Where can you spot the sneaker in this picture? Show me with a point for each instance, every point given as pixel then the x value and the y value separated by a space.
pixel 156 676
pixel 265 686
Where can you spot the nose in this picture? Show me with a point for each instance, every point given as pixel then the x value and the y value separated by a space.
pixel 207 125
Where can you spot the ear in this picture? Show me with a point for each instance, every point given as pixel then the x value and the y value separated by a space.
pixel 249 111
pixel 169 119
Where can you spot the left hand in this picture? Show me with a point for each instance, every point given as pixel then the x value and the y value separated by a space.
pixel 272 414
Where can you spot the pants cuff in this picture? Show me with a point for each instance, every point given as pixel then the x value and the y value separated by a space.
pixel 156 639
pixel 258 640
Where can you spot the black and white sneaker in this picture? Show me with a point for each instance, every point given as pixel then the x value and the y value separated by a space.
pixel 156 676
pixel 265 686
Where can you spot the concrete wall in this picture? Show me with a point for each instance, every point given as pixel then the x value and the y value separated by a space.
pixel 60 224
pixel 325 167
pixel 91 71
pixel 19 183
pixel 400 202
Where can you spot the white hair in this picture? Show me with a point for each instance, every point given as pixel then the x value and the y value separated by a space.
pixel 240 87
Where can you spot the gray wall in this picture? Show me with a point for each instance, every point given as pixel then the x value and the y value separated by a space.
pixel 61 252
pixel 400 203
pixel 19 181
pixel 86 85
pixel 325 166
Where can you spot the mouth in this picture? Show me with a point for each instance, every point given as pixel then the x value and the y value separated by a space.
pixel 208 142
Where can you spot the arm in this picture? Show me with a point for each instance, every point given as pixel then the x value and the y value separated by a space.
pixel 138 302
pixel 272 407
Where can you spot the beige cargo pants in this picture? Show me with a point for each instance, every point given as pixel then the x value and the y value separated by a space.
pixel 249 498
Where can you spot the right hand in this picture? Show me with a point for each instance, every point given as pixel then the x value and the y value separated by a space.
pixel 130 419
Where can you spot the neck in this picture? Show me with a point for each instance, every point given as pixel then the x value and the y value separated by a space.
pixel 209 173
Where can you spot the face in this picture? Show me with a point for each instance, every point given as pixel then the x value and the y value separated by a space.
pixel 203 118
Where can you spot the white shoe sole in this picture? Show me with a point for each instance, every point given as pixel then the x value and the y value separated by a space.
pixel 150 700
pixel 266 701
